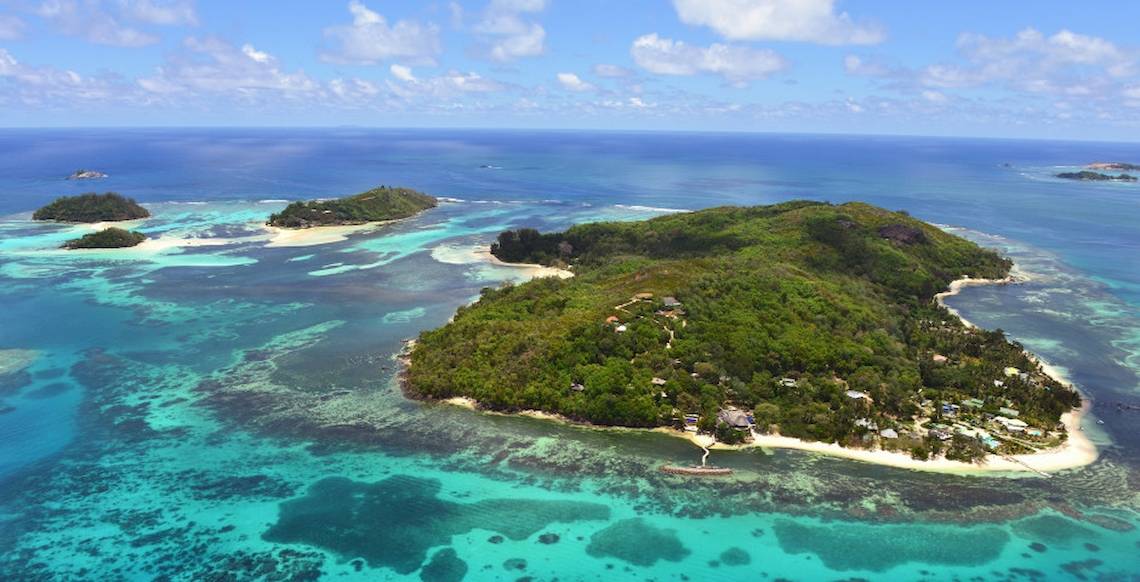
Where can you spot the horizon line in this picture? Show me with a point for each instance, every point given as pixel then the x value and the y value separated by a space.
pixel 738 132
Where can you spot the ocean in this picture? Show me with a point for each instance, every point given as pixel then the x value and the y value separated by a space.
pixel 218 407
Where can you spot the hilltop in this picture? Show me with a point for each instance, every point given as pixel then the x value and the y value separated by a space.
pixel 803 319
pixel 92 207
pixel 108 238
pixel 375 205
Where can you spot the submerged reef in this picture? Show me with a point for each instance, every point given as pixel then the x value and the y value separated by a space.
pixel 393 523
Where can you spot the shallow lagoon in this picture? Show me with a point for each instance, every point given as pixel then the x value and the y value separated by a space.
pixel 200 409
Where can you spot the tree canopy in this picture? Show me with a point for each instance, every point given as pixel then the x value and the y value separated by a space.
pixel 92 207
pixel 818 319
pixel 375 205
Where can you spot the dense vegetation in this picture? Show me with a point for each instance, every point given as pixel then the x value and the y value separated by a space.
pixel 375 205
pixel 784 309
pixel 92 207
pixel 1088 176
pixel 108 238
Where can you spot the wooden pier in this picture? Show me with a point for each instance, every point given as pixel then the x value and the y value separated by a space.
pixel 696 471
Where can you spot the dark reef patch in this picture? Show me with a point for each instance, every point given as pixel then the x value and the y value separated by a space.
pixel 245 486
pixel 637 542
pixel 849 546
pixel 445 566
pixel 735 557
pixel 1082 569
pixel 1110 523
pixel 1052 529
pixel 548 538
pixel 49 391
pixel 10 384
pixel 394 522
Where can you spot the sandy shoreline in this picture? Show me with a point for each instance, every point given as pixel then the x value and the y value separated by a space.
pixel 1077 451
pixel 454 255
pixel 316 235
pixel 533 269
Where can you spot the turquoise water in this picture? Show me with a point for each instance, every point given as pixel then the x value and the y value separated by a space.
pixel 229 408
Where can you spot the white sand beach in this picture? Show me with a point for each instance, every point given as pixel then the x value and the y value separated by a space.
pixel 466 255
pixel 317 235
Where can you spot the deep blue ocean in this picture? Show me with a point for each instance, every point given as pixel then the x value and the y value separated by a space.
pixel 218 403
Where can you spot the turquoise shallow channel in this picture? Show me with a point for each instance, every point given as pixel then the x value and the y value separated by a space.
pixel 211 405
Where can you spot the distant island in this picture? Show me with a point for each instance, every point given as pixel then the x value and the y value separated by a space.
pixel 108 238
pixel 1114 166
pixel 92 207
pixel 376 205
pixel 1090 176
pixel 801 319
pixel 86 175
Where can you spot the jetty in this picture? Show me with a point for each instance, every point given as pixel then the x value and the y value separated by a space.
pixel 696 470
pixel 702 470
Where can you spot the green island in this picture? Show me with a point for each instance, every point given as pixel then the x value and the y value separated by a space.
pixel 378 204
pixel 1089 176
pixel 108 238
pixel 92 207
pixel 802 319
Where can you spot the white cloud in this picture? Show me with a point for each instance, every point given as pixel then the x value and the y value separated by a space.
pixel 353 90
pixel 737 64
pixel 211 65
pixel 1064 47
pixel 402 73
pixel 506 34
pixel 371 40
pixel 787 20
pixel 180 12
pixel 934 96
pixel 11 27
pixel 45 86
pixel 572 82
pixel 258 56
pixel 448 85
pixel 1064 64
pixel 859 66
pixel 611 71
pixel 89 21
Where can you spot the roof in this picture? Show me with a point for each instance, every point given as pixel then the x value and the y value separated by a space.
pixel 1011 421
pixel 734 418
pixel 659 381
pixel 889 433
pixel 670 301
pixel 856 394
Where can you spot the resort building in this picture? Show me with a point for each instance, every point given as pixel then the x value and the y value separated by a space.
pixel 735 418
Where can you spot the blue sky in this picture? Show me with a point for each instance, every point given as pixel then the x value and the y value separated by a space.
pixel 966 68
